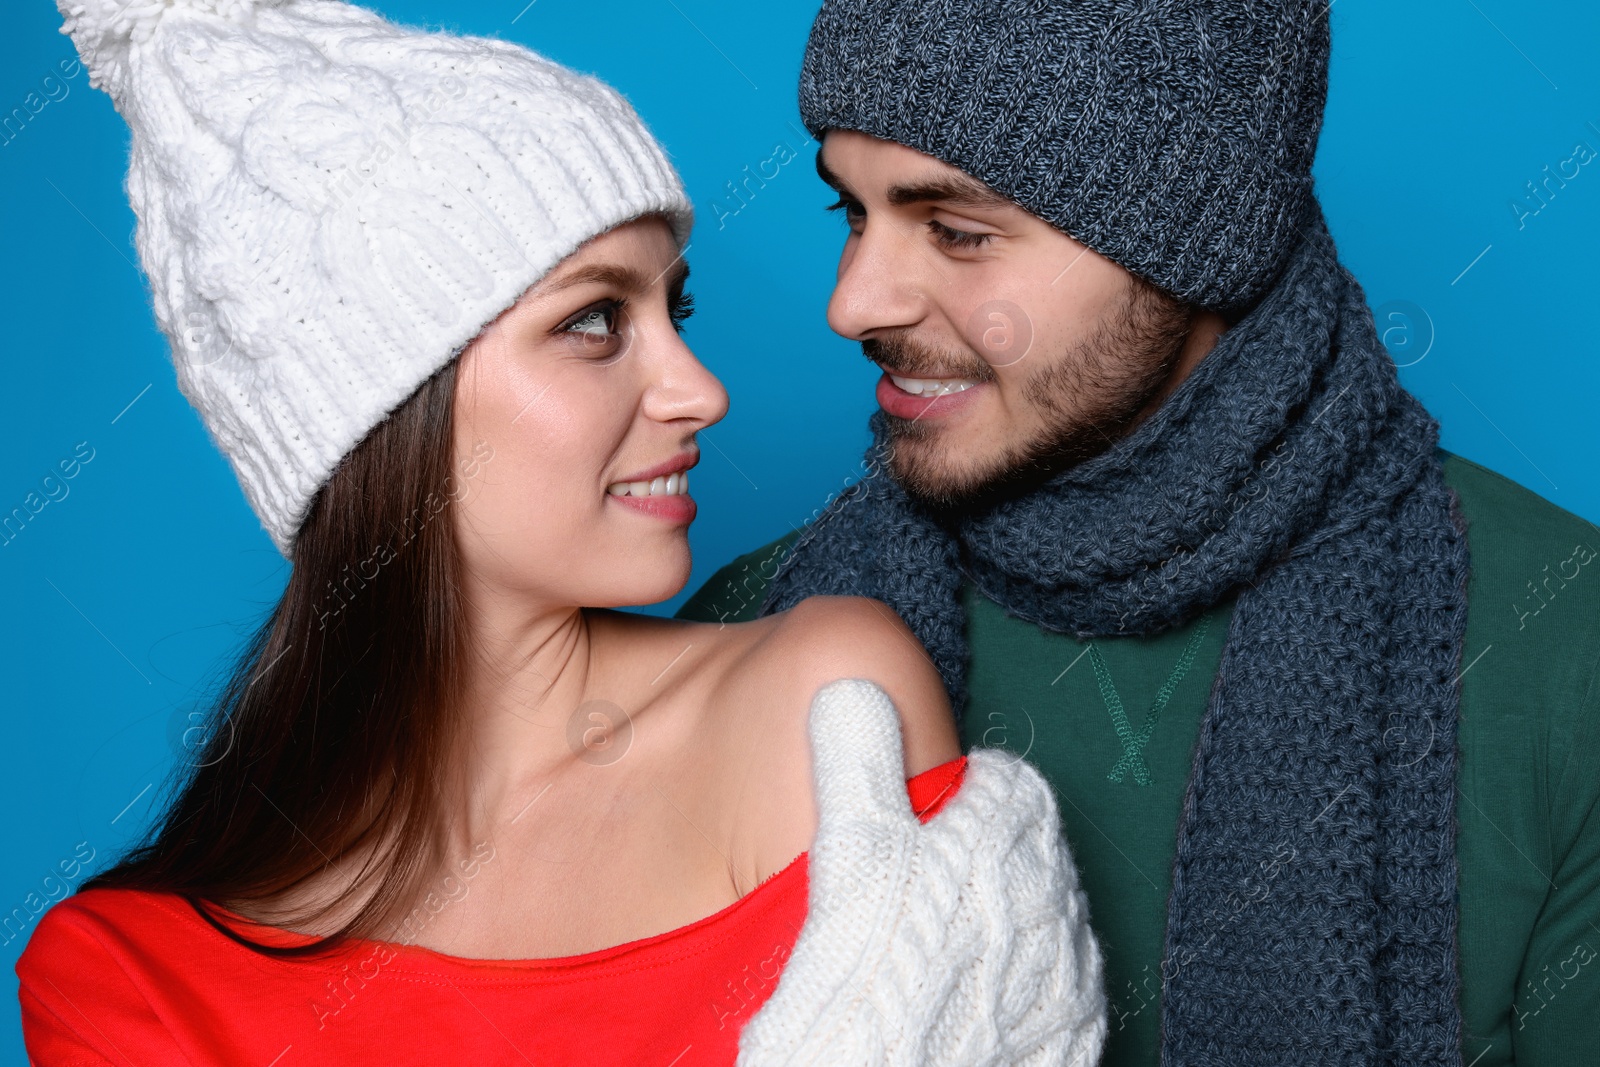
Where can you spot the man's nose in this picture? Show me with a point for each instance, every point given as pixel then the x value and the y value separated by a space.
pixel 882 282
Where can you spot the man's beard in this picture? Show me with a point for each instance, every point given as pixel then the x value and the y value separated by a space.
pixel 1087 397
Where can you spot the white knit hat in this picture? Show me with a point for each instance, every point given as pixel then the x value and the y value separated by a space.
pixel 331 206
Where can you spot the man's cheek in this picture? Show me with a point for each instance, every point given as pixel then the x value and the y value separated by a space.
pixel 1001 331
pixel 1007 405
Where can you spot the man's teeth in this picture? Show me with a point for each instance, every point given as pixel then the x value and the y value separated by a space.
pixel 674 484
pixel 932 386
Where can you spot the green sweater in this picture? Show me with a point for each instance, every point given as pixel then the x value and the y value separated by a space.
pixel 1529 772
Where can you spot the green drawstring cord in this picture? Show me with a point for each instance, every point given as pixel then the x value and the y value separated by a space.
pixel 1133 744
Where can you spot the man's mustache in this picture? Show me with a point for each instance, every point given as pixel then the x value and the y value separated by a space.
pixel 899 354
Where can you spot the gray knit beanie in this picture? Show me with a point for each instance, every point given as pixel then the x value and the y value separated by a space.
pixel 1174 137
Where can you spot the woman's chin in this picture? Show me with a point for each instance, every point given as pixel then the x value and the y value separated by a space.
pixel 636 586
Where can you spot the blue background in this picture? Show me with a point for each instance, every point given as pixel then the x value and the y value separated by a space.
pixel 123 599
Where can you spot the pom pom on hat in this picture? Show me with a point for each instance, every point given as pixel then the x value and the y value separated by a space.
pixel 331 206
pixel 105 30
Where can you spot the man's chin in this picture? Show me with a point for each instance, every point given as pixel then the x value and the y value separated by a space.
pixel 941 480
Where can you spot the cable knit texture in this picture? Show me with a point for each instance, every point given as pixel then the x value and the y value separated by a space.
pixel 1312 916
pixel 331 206
pixel 1174 137
pixel 962 941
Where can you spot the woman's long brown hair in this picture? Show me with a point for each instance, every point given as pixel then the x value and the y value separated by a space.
pixel 328 740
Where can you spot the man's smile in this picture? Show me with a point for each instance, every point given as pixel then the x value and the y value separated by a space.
pixel 925 398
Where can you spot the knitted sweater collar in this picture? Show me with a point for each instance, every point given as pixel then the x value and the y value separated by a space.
pixel 1312 917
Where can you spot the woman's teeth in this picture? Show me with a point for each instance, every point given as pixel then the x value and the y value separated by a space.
pixel 932 386
pixel 674 484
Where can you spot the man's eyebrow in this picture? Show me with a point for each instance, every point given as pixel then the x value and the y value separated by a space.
pixel 828 177
pixel 959 190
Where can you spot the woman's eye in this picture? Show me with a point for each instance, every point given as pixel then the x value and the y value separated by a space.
pixel 680 308
pixel 950 237
pixel 596 330
pixel 596 322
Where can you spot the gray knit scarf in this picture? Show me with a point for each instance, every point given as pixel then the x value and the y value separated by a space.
pixel 1313 909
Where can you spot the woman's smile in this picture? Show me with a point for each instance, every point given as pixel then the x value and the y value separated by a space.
pixel 661 490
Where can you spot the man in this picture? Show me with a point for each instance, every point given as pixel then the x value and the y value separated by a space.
pixel 1319 700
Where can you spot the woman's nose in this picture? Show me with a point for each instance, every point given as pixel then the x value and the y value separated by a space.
pixel 683 388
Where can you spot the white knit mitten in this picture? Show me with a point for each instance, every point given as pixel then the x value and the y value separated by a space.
pixel 961 941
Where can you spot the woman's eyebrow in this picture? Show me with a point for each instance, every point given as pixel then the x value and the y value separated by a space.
pixel 616 275
pixel 677 275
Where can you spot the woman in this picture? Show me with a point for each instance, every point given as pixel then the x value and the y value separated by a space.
pixel 453 806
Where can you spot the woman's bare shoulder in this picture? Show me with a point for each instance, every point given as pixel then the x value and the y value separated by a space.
pixel 825 638
pixel 765 700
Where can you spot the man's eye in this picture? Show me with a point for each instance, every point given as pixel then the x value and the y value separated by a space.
pixel 950 237
pixel 853 211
